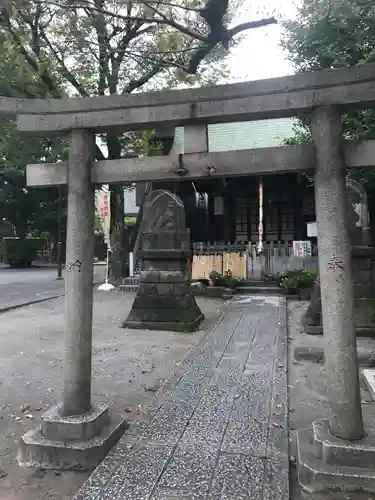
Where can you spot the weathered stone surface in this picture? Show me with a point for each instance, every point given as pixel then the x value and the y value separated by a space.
pixel 336 275
pixel 208 424
pixel 82 427
pixel 74 434
pixel 164 289
pixel 189 472
pixel 363 290
pixel 168 326
pixel 276 477
pixel 164 300
pixel 218 426
pixel 38 452
pixel 137 474
pixel 315 354
pixel 169 423
pixel 358 215
pixel 238 476
pixel 318 476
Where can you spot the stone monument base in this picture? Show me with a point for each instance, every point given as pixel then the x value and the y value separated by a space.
pixel 364 296
pixel 164 302
pixel 70 443
pixel 330 466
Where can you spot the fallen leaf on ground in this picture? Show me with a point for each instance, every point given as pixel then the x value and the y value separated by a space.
pixel 153 388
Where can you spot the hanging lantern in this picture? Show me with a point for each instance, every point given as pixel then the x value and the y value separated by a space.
pixel 201 199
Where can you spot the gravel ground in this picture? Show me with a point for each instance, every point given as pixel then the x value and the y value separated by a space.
pixel 307 385
pixel 128 368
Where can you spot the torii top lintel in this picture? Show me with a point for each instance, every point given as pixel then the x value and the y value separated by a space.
pixel 276 97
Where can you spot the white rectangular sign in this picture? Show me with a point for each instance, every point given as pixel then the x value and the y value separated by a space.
pixel 312 230
pixel 302 248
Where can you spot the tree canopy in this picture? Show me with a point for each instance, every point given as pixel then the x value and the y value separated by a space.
pixel 326 34
pixel 81 48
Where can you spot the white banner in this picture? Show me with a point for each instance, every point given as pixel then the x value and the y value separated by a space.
pixel 103 209
pixel 260 227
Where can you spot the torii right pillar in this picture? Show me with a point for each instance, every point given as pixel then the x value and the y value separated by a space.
pixel 335 456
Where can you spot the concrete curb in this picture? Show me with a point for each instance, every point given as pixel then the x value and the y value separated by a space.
pixel 34 301
pixel 366 357
pixel 29 303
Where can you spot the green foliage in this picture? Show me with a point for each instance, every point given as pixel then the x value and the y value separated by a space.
pixel 227 279
pixel 21 252
pixel 26 210
pixel 296 279
pixel 326 34
pixel 69 48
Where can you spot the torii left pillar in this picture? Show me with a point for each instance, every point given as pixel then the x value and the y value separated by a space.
pixel 75 434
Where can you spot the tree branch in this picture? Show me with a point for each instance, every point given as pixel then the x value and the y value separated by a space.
pixel 32 61
pixel 148 20
pixel 251 25
pixel 138 83
pixel 63 69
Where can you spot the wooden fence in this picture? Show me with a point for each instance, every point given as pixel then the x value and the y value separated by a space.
pixel 243 260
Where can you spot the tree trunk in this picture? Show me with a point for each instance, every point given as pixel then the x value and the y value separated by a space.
pixel 119 243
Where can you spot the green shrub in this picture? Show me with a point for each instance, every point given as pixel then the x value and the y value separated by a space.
pixel 297 278
pixel 227 280
pixel 20 252
pixel 307 278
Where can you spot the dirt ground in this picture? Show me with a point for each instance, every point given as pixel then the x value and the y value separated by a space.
pixel 128 368
pixel 307 387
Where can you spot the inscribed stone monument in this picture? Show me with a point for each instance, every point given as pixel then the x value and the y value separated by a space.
pixel 164 300
pixel 358 218
pixel 362 266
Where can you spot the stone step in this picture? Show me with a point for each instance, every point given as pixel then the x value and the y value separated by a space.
pixel 129 288
pixel 317 476
pixel 258 290
pixel 258 283
pixel 131 281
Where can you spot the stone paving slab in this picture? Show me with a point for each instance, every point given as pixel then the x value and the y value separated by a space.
pixel 217 430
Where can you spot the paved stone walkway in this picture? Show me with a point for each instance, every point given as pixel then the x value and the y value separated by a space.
pixel 217 430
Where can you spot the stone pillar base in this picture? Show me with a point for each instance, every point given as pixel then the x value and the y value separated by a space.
pixel 328 465
pixel 70 443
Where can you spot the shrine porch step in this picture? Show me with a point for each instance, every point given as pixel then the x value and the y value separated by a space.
pixel 258 290
pixel 130 284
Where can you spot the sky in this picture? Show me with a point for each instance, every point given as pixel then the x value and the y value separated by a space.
pixel 259 55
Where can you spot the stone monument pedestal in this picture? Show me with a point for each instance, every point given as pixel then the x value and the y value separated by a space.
pixel 164 300
pixel 363 291
pixel 329 467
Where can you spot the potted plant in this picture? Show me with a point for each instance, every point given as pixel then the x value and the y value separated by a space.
pixel 290 285
pixel 306 281
pixel 216 279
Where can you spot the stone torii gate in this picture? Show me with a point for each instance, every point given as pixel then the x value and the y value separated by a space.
pixel 73 432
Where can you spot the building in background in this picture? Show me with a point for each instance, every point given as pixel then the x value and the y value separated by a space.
pixel 232 212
